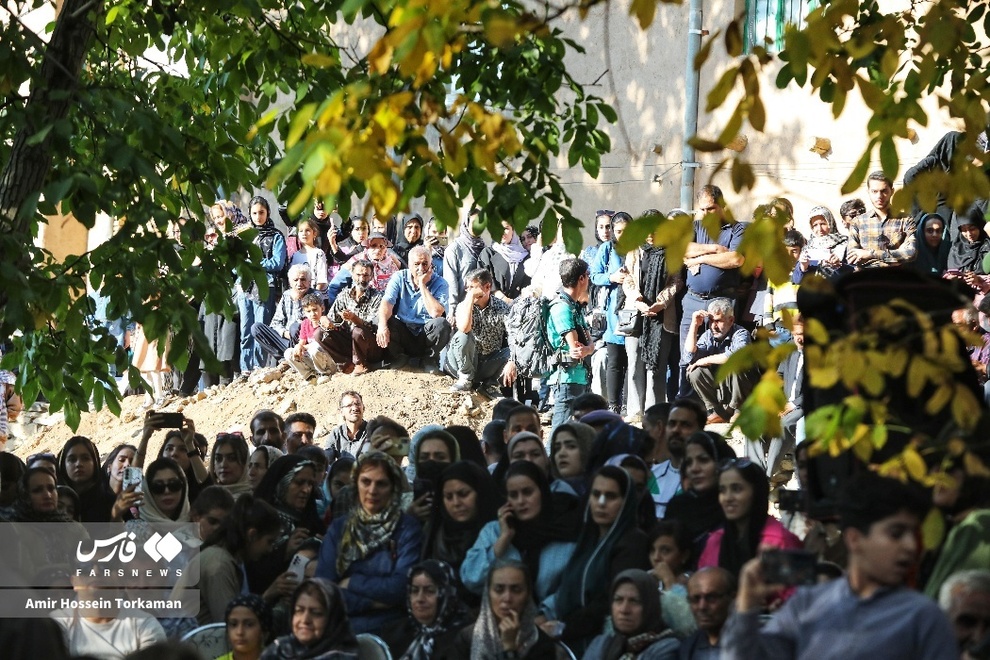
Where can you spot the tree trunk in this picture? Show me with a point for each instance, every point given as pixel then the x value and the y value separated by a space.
pixel 53 92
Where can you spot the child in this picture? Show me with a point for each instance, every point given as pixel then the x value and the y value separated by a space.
pixel 307 232
pixel 671 556
pixel 308 357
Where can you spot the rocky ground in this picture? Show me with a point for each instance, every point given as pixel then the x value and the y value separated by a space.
pixel 413 399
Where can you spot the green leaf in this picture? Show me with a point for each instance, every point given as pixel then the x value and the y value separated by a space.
pixel 888 157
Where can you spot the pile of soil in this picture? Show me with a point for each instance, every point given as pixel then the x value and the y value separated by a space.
pixel 412 399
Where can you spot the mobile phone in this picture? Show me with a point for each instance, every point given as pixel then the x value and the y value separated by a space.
pixel 132 475
pixel 421 487
pixel 790 500
pixel 790 567
pixel 169 420
pixel 298 566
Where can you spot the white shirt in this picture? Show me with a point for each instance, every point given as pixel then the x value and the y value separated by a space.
pixel 131 631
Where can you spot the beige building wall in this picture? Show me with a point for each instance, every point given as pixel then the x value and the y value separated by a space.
pixel 644 77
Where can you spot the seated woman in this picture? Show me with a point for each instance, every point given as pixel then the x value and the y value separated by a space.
pixel 610 543
pixel 465 501
pixel 290 487
pixel 671 555
pixel 638 631
pixel 78 468
pixel 228 463
pixel 646 485
pixel 504 260
pixel 431 450
pixel 338 480
pixel 249 625
pixel 37 502
pixel 412 235
pixel 369 551
pixel 436 614
pixel 969 249
pixel 570 443
pixel 183 447
pixel 697 507
pixel 320 628
pixel 744 495
pixel 121 457
pixel 506 626
pixel 932 239
pixel 247 534
pixel 161 499
pixel 531 528
pixel 260 460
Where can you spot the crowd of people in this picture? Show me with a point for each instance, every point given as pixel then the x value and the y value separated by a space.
pixel 612 540
pixel 627 530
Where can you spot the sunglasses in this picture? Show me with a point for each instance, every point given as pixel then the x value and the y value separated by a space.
pixel 228 436
pixel 730 463
pixel 160 487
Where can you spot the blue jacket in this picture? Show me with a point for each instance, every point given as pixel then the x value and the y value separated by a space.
pixel 663 649
pixel 607 261
pixel 378 578
pixel 479 559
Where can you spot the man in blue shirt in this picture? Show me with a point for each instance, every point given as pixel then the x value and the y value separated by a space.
pixel 712 264
pixel 411 319
pixel 867 614
pixel 707 353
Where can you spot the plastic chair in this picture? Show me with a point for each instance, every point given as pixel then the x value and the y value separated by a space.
pixel 564 652
pixel 372 647
pixel 210 640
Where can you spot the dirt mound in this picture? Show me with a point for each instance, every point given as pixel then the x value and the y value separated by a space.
pixel 411 398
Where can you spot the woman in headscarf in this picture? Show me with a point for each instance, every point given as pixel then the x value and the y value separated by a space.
pixel 645 484
pixel 249 302
pixel 121 457
pixel 261 459
pixel 933 243
pixel 162 498
pixel 744 495
pixel 338 479
pixel 320 629
pixel 435 614
pixel 970 245
pixel 228 463
pixel 432 449
pixel 465 500
pixel 698 506
pixel 290 487
pixel 79 468
pixel 183 447
pixel 826 248
pixel 369 551
pixel 412 235
pixel 222 333
pixel 461 256
pixel 652 290
pixel 249 625
pixel 506 626
pixel 342 252
pixel 469 443
pixel 37 502
pixel 532 527
pixel 504 260
pixel 570 445
pixel 638 630
pixel 610 542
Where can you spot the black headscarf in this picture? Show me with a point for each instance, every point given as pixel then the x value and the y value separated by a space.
pixel 559 519
pixel 451 613
pixel 700 511
pixel 97 500
pixel 735 550
pixel 652 628
pixel 272 489
pixel 927 261
pixel 469 444
pixel 336 643
pixel 963 255
pixel 402 246
pixel 22 510
pixel 448 539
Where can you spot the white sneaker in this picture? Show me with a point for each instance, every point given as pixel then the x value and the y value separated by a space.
pixel 461 385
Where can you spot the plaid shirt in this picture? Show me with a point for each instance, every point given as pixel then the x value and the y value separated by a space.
pixel 893 239
pixel 366 308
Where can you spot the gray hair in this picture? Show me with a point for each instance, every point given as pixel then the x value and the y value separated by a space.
pixel 975 579
pixel 722 306
pixel 418 250
pixel 301 268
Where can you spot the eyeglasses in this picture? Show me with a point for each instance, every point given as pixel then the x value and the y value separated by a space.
pixel 604 213
pixel 160 487
pixel 729 463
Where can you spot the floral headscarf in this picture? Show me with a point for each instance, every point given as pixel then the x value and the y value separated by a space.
pixel 450 611
pixel 365 532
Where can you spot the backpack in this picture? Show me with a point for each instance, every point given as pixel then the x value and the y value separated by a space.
pixel 529 346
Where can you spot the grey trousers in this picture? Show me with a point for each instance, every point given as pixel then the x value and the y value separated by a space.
pixel 463 361
pixel 720 397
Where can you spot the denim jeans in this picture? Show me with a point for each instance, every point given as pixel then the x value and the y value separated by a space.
pixel 251 312
pixel 563 394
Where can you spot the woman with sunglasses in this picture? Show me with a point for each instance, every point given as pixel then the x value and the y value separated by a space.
pixel 162 498
pixel 744 495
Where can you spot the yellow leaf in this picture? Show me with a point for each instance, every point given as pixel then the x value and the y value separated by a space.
pixel 933 529
pixel 644 11
pixel 815 330
pixel 939 400
pixel 500 28
pixel 914 463
pixel 320 60
pixel 966 408
pixel 380 57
